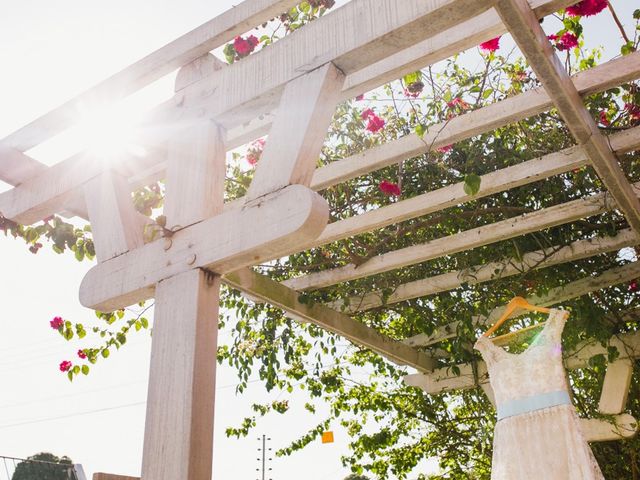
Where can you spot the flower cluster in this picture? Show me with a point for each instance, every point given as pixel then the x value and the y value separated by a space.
pixel 240 48
pixel 374 122
pixel 633 110
pixel 81 354
pixel 587 8
pixel 444 149
pixel 490 45
pixel 254 152
pixel 57 323
pixel 244 46
pixel 65 366
pixel 566 41
pixel 389 188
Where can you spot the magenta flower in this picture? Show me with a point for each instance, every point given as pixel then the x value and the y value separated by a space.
pixel 490 45
pixel 389 188
pixel 587 8
pixel 65 366
pixel 56 323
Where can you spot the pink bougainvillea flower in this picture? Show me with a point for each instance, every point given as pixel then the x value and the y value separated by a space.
pixel 603 118
pixel 360 97
pixel 366 113
pixel 253 41
pixel 444 149
pixel 81 354
pixel 633 110
pixel 254 152
pixel 242 46
pixel 389 188
pixel 56 323
pixel 65 366
pixel 375 123
pixel 490 45
pixel 586 8
pixel 565 42
pixel 458 103
pixel 633 286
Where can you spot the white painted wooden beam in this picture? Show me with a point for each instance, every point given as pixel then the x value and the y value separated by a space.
pixel 114 221
pixel 298 132
pixel 178 438
pixel 469 239
pixel 491 271
pixel 615 388
pixel 265 289
pixel 207 37
pixel 528 34
pixel 273 228
pixel 555 296
pixel 624 426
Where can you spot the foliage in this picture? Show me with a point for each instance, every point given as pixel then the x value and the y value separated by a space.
pixel 43 466
pixel 393 427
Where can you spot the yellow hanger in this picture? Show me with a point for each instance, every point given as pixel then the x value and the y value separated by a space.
pixel 512 306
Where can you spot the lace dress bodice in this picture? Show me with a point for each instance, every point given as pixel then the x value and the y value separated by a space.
pixel 537 370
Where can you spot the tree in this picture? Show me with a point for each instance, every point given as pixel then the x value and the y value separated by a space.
pixel 455 427
pixel 44 466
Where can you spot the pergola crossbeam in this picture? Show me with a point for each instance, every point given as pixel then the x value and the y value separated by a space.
pixel 268 290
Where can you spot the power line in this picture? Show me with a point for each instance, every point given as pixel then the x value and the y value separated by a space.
pixel 98 410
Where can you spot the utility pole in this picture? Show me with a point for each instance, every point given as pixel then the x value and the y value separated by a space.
pixel 263 458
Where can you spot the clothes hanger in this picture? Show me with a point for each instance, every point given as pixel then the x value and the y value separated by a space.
pixel 515 304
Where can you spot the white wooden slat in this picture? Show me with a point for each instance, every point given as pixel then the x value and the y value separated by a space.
pixel 532 40
pixel 615 388
pixel 114 221
pixel 596 430
pixel 298 132
pixel 469 239
pixel 178 438
pixel 264 289
pixel 226 242
pixel 491 271
pixel 555 296
pixel 209 36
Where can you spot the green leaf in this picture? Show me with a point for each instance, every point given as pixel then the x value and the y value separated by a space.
pixel 421 130
pixel 85 369
pixel 105 353
pixel 472 184
pixel 636 14
pixel 412 78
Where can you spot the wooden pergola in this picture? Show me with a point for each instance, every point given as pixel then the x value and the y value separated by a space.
pixel 218 107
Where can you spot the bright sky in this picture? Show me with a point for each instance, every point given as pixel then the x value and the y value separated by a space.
pixel 51 52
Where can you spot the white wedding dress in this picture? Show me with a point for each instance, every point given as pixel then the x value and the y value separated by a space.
pixel 537 435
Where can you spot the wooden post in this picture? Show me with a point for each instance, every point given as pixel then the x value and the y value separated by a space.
pixel 178 440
